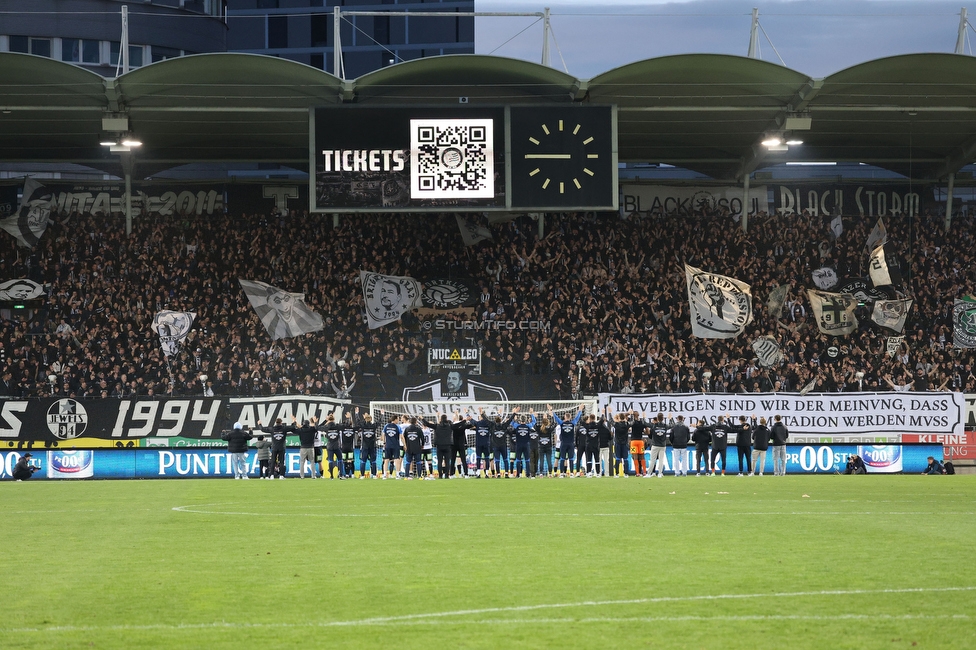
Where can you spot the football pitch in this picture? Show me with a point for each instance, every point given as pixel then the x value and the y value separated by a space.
pixel 709 562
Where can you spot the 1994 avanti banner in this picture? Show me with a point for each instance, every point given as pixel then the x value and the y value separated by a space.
pixel 822 414
pixel 82 423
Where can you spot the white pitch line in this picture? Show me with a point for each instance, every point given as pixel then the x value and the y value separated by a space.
pixel 430 617
pixel 191 509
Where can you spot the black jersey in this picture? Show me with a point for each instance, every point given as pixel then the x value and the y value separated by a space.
pixel 413 437
pixel 333 437
pixel 482 433
pixel 621 433
pixel 720 435
pixel 367 435
pixel 348 437
pixel 659 434
pixel 592 435
pixel 637 429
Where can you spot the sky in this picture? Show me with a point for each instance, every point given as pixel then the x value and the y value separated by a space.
pixel 815 38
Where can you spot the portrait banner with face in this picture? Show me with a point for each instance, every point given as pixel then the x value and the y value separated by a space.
pixel 721 306
pixel 20 289
pixel 283 314
pixel 30 221
pixel 173 327
pixel 388 297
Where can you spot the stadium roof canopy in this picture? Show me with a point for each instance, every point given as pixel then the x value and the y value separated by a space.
pixel 913 114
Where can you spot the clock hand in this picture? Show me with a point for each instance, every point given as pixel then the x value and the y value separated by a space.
pixel 549 156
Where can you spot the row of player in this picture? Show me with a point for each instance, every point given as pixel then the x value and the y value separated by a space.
pixel 522 445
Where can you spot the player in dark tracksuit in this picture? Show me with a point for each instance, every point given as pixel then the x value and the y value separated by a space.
pixel 391 449
pixel 743 444
pixel 606 441
pixel 546 440
pixel 566 436
pixel 580 441
pixel 459 448
pixel 592 428
pixel 702 437
pixel 534 435
pixel 637 429
pixel 413 444
pixel 482 443
pixel 443 439
pixel 366 430
pixel 523 431
pixel 333 447
pixel 760 444
pixel 720 444
pixel 349 445
pixel 279 438
pixel 621 444
pixel 659 445
pixel 680 437
pixel 499 446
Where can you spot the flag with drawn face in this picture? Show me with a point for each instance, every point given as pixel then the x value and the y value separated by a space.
pixel 720 306
pixel 891 314
pixel 834 312
pixel 31 220
pixel 767 350
pixel 20 289
pixel 388 297
pixel 173 327
pixel 283 314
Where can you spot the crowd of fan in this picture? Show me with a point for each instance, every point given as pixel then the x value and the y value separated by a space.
pixel 613 290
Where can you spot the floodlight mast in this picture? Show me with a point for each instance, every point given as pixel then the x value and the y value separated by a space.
pixel 339 70
pixel 961 37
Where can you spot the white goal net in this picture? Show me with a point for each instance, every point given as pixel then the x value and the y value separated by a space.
pixel 383 412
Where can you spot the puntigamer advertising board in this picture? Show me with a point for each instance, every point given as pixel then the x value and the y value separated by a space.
pixel 479 158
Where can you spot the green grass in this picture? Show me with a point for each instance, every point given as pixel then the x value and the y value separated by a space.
pixel 803 562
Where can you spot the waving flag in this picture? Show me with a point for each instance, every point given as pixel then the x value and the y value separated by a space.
pixel 471 231
pixel 173 328
pixel 883 267
pixel 891 314
pixel 776 300
pixel 388 297
pixel 964 324
pixel 721 306
pixel 878 236
pixel 30 221
pixel 283 314
pixel 834 312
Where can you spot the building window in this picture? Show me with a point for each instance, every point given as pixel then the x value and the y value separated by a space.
pixel 267 4
pixel 113 52
pixel 320 29
pixel 277 32
pixel 135 56
pixel 71 50
pixel 90 51
pixel 381 29
pixel 160 53
pixel 19 44
pixel 317 60
pixel 40 46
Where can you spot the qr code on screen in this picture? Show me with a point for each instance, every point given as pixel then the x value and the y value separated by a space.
pixel 451 159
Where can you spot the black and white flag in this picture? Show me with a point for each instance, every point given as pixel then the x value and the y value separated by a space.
pixel 721 306
pixel 837 226
pixel 834 312
pixel 776 300
pixel 388 297
pixel 892 344
pixel 767 351
pixel 825 278
pixel 30 221
pixel 283 314
pixel 964 324
pixel 891 314
pixel 173 328
pixel 878 236
pixel 472 232
pixel 20 289
pixel 883 267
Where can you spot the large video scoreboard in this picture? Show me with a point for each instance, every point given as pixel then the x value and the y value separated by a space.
pixel 504 158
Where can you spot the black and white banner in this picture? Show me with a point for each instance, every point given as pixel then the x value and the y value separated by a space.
pixel 471 231
pixel 964 324
pixel 283 314
pixel 883 267
pixel 720 306
pixel 834 312
pixel 31 219
pixel 173 327
pixel 685 199
pixel 823 414
pixel 20 289
pixel 878 236
pixel 892 314
pixel 776 300
pixel 826 200
pixel 767 350
pixel 388 297
pixel 825 278
pixel 86 423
